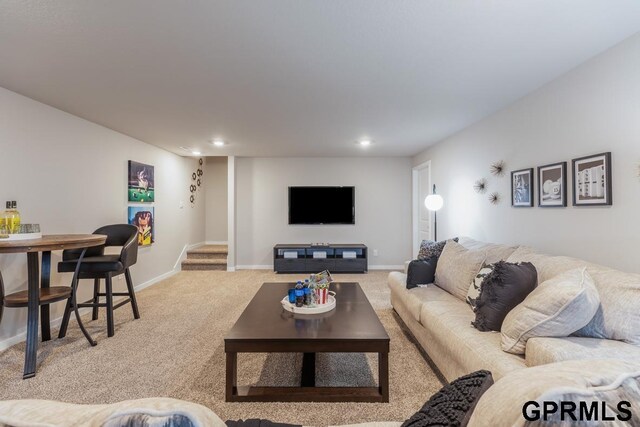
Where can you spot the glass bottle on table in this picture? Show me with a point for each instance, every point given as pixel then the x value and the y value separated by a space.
pixel 12 218
pixel 4 227
pixel 299 294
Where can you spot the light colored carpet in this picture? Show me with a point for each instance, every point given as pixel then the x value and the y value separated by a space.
pixel 176 350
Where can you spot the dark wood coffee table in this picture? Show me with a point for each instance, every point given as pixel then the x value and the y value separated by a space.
pixel 265 327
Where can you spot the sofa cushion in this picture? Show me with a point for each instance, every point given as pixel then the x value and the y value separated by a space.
pixel 414 298
pixel 542 350
pixel 556 308
pixel 503 289
pixel 456 267
pixel 547 266
pixel 449 323
pixel 618 316
pixel 421 272
pixel 495 252
pixel 453 404
pixel 605 380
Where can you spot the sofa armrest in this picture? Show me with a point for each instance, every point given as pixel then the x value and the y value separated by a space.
pixel 406 267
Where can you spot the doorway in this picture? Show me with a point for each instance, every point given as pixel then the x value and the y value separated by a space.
pixel 422 225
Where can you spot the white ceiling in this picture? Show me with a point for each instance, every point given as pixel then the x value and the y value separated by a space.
pixel 297 77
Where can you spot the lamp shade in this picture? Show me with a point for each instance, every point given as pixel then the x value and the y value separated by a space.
pixel 434 202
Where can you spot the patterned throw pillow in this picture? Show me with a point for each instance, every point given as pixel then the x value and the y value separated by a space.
pixel 454 403
pixel 430 249
pixel 476 285
pixel 503 289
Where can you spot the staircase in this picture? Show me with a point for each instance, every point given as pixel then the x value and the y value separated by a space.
pixel 206 258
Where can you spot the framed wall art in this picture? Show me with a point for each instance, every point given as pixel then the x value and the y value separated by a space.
pixel 552 185
pixel 592 180
pixel 141 188
pixel 522 188
pixel 143 217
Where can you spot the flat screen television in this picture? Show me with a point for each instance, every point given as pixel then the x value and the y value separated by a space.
pixel 322 205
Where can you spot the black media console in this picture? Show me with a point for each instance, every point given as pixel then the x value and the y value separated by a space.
pixel 339 258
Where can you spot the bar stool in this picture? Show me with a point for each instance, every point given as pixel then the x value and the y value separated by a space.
pixel 96 265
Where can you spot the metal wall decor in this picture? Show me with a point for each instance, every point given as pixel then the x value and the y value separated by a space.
pixel 480 186
pixel 495 198
pixel 497 168
pixel 196 181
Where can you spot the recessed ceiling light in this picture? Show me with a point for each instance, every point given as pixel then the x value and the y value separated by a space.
pixel 365 142
pixel 196 153
pixel 218 142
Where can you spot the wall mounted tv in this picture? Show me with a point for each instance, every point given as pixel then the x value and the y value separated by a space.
pixel 322 205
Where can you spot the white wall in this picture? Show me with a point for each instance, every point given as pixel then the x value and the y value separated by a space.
pixel 70 176
pixel 383 206
pixel 594 108
pixel 216 199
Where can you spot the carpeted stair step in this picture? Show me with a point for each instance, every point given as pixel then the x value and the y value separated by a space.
pixel 208 252
pixel 204 264
pixel 206 255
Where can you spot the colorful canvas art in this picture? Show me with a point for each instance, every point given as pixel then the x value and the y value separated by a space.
pixel 141 187
pixel 142 217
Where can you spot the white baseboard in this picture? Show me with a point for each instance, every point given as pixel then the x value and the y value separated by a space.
pixel 386 267
pixel 254 267
pixel 216 242
pixel 22 336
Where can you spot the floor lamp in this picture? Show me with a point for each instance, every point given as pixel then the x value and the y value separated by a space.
pixel 434 202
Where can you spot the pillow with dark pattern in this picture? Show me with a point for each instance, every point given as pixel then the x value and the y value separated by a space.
pixel 430 249
pixel 506 286
pixel 476 285
pixel 454 403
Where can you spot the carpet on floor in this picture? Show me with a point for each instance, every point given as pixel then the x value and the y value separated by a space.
pixel 177 350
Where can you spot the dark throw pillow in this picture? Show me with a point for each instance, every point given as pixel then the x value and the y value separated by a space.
pixel 430 249
pixel 454 403
pixel 504 288
pixel 421 272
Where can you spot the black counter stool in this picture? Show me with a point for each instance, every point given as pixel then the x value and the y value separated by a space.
pixel 96 265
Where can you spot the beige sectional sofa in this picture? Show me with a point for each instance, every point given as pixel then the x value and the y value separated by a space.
pixel 441 322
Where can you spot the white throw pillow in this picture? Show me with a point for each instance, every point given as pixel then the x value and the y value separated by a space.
pixel 556 308
pixel 476 285
pixel 456 267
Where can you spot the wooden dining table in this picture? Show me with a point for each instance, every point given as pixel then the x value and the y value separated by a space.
pixel 38 283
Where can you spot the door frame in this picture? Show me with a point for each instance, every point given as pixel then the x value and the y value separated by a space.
pixel 415 220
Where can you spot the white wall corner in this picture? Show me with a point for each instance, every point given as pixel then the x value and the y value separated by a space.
pixel 231 212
